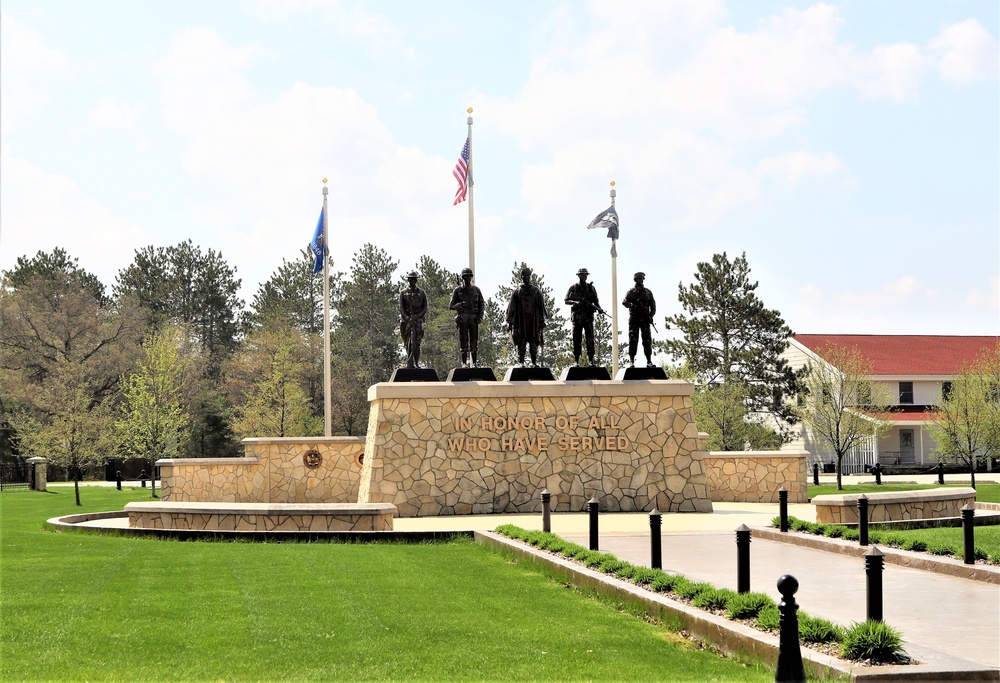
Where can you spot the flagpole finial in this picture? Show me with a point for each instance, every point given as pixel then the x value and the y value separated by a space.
pixel 612 183
pixel 324 181
pixel 469 110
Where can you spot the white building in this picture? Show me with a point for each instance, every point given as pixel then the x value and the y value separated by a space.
pixel 917 369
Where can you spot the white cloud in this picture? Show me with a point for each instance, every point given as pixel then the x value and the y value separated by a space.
pixel 793 166
pixel 31 70
pixel 36 203
pixel 108 113
pixel 966 53
pixel 986 300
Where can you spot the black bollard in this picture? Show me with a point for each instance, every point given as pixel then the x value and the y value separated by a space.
pixel 940 469
pixel 877 471
pixel 655 546
pixel 815 474
pixel 546 511
pixel 592 508
pixel 968 535
pixel 743 559
pixel 863 519
pixel 783 509
pixel 874 566
pixel 142 478
pixel 790 669
pixel 118 480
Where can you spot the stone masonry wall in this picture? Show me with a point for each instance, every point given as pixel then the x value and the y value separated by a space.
pixel 756 476
pixel 467 448
pixel 315 517
pixel 273 471
pixel 894 506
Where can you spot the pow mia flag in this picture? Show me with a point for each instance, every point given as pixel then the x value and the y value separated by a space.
pixel 606 219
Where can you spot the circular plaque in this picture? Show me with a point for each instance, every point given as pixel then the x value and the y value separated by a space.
pixel 312 459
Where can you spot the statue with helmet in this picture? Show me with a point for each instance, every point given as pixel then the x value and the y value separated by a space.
pixel 641 308
pixel 582 297
pixel 469 306
pixel 412 313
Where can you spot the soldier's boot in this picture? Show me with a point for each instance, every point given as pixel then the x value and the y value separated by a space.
pixel 416 359
pixel 576 361
pixel 649 362
pixel 631 361
pixel 465 359
pixel 475 359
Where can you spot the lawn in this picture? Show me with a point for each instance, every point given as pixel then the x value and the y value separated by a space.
pixel 985 493
pixel 94 607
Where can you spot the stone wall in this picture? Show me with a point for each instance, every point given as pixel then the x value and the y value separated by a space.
pixel 894 506
pixel 273 471
pixel 258 517
pixel 491 447
pixel 756 476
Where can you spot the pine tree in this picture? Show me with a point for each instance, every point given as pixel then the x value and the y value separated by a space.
pixel 556 352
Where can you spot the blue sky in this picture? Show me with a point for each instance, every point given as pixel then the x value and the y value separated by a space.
pixel 851 149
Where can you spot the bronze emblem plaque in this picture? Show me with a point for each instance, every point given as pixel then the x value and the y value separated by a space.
pixel 312 459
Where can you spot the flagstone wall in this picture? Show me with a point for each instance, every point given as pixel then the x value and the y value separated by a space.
pixel 756 476
pixel 437 448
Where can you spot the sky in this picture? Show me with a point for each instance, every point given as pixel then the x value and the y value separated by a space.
pixel 850 149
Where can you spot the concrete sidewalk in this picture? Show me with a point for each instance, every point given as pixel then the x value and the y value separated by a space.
pixel 954 616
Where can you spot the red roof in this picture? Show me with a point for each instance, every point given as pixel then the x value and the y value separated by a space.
pixel 904 414
pixel 907 354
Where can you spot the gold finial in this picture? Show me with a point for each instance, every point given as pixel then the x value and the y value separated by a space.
pixel 469 110
pixel 324 181
pixel 612 183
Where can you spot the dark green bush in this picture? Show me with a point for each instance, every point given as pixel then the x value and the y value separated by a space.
pixel 851 534
pixel 627 571
pixel 769 618
pixel 816 630
pixel 574 551
pixel 594 559
pixel 796 524
pixel 872 641
pixel 690 590
pixel 747 605
pixel 833 531
pixel 713 598
pixel 644 575
pixel 664 582
pixel 611 565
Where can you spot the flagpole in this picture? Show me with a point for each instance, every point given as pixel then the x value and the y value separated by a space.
pixel 327 413
pixel 614 297
pixel 472 230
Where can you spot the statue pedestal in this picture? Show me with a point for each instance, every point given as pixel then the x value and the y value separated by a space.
pixel 414 375
pixel 634 373
pixel 578 373
pixel 528 375
pixel 472 375
pixel 458 448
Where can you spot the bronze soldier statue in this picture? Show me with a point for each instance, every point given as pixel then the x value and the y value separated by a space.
pixel 582 296
pixel 641 308
pixel 526 318
pixel 467 301
pixel 412 312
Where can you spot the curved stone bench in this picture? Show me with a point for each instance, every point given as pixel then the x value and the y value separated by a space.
pixel 261 516
pixel 894 506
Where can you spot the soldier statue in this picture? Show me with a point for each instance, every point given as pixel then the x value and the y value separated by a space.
pixel 582 296
pixel 526 318
pixel 467 302
pixel 641 308
pixel 412 312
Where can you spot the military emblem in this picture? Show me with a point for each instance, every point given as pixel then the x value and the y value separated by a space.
pixel 312 459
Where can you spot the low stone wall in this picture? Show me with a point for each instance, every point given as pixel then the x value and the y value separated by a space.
pixel 453 448
pixel 260 516
pixel 756 476
pixel 894 506
pixel 279 470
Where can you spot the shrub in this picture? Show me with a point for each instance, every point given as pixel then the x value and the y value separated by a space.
pixel 574 551
pixel 689 589
pixel 626 571
pixel 713 598
pixel 644 575
pixel 664 582
pixel 611 565
pixel 872 641
pixel 776 522
pixel 833 531
pixel 796 524
pixel 510 531
pixel 894 540
pixel 769 618
pixel 816 630
pixel 915 545
pixel 817 529
pixel 747 605
pixel 594 559
pixel 851 534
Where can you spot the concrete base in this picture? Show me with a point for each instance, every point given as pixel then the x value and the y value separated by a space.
pixel 261 516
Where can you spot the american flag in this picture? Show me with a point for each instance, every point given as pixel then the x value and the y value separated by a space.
pixel 461 174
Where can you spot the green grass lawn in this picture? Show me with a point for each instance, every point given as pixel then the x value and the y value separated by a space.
pixel 985 493
pixel 94 607
pixel 987 538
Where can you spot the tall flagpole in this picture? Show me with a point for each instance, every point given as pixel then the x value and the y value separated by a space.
pixel 472 230
pixel 614 297
pixel 327 413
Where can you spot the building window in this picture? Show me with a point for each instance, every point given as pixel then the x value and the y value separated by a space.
pixel 945 390
pixel 906 392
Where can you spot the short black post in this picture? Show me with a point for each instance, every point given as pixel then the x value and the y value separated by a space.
pixel 863 519
pixel 118 480
pixel 546 511
pixel 815 474
pixel 940 473
pixel 655 543
pixel 790 669
pixel 877 471
pixel 743 559
pixel 592 508
pixel 783 509
pixel 142 478
pixel 968 535
pixel 874 566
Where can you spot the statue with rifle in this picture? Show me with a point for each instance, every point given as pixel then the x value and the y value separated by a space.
pixel 582 297
pixel 412 312
pixel 641 309
pixel 469 306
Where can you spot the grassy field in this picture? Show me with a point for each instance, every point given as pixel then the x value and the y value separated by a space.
pixel 985 493
pixel 99 608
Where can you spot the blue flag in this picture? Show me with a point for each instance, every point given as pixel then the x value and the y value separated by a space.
pixel 317 245
pixel 606 219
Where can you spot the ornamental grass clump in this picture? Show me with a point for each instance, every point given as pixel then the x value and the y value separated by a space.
pixel 714 598
pixel 690 590
pixel 747 605
pixel 816 630
pixel 833 531
pixel 644 575
pixel 915 545
pixel 611 565
pixel 769 618
pixel 871 641
pixel 664 582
